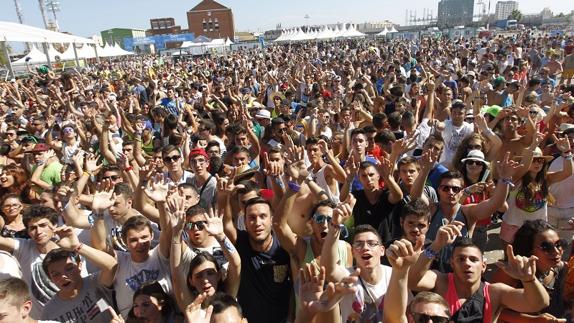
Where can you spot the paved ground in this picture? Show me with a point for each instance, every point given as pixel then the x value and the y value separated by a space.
pixel 494 251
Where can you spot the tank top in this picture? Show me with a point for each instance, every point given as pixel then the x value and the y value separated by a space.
pixel 341 252
pixel 471 308
pixel 321 180
pixel 521 209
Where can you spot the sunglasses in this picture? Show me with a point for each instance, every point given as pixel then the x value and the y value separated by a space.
pixel 474 147
pixel 549 247
pixel 424 318
pixel 448 188
pixel 68 130
pixel 320 218
pixel 112 177
pixel 10 134
pixel 281 130
pixel 474 162
pixel 198 225
pixel 359 244
pixel 172 159
pixel 539 160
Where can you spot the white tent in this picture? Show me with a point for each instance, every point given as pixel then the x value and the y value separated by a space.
pixel 68 54
pixel 36 57
pixel 384 32
pixel 53 53
pixel 393 30
pixel 228 42
pixel 11 31
pixel 353 32
pixel 87 51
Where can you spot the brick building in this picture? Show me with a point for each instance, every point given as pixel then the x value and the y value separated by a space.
pixel 163 26
pixel 211 19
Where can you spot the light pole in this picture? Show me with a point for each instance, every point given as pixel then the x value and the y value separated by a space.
pixel 42 4
pixel 54 6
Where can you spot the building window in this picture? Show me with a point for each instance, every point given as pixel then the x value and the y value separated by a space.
pixel 216 24
pixel 210 24
pixel 204 25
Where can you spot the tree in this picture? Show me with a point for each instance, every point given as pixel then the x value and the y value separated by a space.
pixel 3 58
pixel 516 15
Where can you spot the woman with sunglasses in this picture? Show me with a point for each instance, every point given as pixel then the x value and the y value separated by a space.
pixel 529 198
pixel 486 141
pixel 204 275
pixel 540 239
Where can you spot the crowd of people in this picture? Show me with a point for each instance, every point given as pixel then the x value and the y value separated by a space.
pixel 340 181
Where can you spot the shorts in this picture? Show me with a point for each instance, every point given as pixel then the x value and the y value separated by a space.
pixel 507 232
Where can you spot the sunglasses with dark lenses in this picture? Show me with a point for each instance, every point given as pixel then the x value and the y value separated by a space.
pixel 549 247
pixel 448 188
pixel 112 177
pixel 474 147
pixel 320 218
pixel 168 159
pixel 474 162
pixel 198 225
pixel 423 318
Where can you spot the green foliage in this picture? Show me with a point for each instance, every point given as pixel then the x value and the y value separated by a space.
pixel 516 15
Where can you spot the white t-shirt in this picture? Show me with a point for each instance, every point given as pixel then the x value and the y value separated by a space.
pixel 561 191
pixel 131 275
pixel 114 229
pixel 367 303
pixel 452 137
pixel 41 287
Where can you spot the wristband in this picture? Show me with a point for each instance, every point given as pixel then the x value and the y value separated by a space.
pixel 294 186
pixel 467 192
pixel 127 169
pixel 278 181
pixel 528 281
pixel 508 181
pixel 77 249
pixel 430 254
pixel 343 232
pixel 228 245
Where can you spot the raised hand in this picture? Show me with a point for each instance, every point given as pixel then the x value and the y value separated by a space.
pixel 480 123
pixel 403 145
pixel 507 167
pixel 68 240
pixel 158 189
pixel 385 167
pixel 194 313
pixel 314 298
pixel 214 226
pixel 519 267
pixel 344 210
pixel 176 212
pixel 562 143
pixel 447 234
pixel 92 165
pixel 104 197
pixel 116 318
pixel 273 169
pixel 402 254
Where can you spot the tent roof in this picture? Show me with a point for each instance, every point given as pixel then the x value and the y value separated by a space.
pixel 11 31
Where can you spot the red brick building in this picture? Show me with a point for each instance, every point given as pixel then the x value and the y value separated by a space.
pixel 211 19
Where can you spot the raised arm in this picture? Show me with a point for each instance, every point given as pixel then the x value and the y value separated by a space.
pixel 329 254
pixel 563 145
pixel 225 189
pixel 386 168
pixel 106 263
pixel 177 220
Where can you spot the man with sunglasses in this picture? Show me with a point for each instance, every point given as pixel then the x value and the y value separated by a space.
pixel 448 208
pixel 173 161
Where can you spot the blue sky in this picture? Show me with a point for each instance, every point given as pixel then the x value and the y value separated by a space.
pixel 87 18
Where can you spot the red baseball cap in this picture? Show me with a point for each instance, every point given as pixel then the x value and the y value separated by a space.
pixel 38 148
pixel 198 151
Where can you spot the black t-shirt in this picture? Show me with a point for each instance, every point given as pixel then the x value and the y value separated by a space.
pixel 377 215
pixel 266 287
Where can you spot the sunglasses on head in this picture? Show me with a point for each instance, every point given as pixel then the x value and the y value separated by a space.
pixel 112 177
pixel 199 225
pixel 448 188
pixel 168 159
pixel 424 318
pixel 548 246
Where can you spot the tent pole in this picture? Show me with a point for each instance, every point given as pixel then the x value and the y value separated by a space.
pixel 97 55
pixel 75 55
pixel 9 62
pixel 45 46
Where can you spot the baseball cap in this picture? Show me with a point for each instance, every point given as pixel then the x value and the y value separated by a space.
pixel 38 148
pixel 493 110
pixel 567 128
pixel 198 151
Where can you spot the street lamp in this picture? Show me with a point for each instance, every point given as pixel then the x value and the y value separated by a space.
pixel 54 6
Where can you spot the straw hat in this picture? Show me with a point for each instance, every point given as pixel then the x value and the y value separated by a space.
pixel 476 155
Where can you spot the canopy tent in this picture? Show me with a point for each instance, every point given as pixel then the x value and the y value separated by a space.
pixel 384 32
pixel 15 32
pixel 393 30
pixel 353 32
pixel 35 57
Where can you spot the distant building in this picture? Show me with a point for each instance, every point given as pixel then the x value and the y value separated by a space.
pixel 211 19
pixel 504 9
pixel 455 13
pixel 163 26
pixel 117 35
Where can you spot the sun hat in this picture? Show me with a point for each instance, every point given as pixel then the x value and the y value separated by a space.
pixel 476 155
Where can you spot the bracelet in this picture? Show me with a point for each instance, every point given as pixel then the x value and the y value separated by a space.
pixel 278 181
pixel 467 192
pixel 77 249
pixel 294 186
pixel 127 169
pixel 430 254
pixel 87 173
pixel 508 181
pixel 228 245
pixel 528 281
